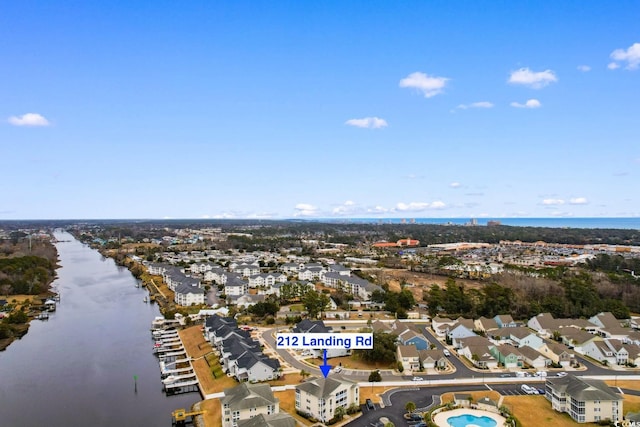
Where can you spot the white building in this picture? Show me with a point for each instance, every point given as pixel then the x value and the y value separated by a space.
pixel 319 397
pixel 246 401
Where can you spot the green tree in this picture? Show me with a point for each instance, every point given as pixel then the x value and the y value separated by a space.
pixel 410 406
pixel 315 303
pixel 339 413
pixel 375 376
pixel 384 349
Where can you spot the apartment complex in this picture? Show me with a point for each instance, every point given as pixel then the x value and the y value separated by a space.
pixel 585 400
pixel 319 397
pixel 247 401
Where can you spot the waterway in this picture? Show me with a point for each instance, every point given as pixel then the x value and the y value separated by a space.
pixel 78 368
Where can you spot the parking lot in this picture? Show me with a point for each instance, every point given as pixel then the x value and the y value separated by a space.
pixel 517 389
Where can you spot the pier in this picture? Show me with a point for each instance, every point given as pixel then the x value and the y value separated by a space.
pixel 177 372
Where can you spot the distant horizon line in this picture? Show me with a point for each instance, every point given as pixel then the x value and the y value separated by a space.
pixel 483 218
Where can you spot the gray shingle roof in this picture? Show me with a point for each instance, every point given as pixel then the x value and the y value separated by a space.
pixel 583 389
pixel 273 420
pixel 246 396
pixel 323 387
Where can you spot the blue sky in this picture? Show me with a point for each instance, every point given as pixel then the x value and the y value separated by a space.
pixel 263 109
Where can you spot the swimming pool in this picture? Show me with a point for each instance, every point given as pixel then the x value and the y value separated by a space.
pixel 465 420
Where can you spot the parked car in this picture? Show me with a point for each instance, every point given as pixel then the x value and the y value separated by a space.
pixel 412 417
pixel 541 391
pixel 370 404
pixel 417 379
pixel 446 352
pixel 528 389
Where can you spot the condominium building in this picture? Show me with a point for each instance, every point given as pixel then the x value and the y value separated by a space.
pixel 585 400
pixel 246 401
pixel 319 397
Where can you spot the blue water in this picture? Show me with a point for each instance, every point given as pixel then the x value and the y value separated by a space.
pixel 617 223
pixel 467 419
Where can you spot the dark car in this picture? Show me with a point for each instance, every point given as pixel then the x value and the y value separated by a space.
pixel 370 404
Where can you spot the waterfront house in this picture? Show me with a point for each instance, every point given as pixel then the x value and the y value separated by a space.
pixel 186 295
pixel 246 401
pixel 319 397
pixel 585 400
pixel 254 367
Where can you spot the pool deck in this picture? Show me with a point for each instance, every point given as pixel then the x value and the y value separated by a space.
pixel 441 417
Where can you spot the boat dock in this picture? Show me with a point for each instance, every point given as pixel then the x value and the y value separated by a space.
pixel 177 372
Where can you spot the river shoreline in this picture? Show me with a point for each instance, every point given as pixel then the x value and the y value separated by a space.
pixel 95 353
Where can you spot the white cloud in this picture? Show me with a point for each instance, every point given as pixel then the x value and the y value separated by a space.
pixel 536 80
pixel 347 208
pixel 224 215
pixel 428 85
pixel 367 122
pixel 29 119
pixel 613 66
pixel 553 202
pixel 455 185
pixel 531 103
pixel 578 201
pixel 305 209
pixel 377 210
pixel 631 56
pixel 584 68
pixel 481 104
pixel 419 206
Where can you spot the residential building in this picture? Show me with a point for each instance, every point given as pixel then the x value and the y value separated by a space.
pixel 273 420
pixel 585 400
pixel 407 355
pixel 246 401
pixel 319 397
pixel 186 295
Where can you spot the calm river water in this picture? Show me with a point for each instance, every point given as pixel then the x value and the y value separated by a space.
pixel 77 369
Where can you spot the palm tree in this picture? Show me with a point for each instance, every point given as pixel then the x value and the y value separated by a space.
pixel 410 407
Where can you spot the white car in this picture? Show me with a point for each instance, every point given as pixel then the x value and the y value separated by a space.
pixel 337 369
pixel 446 352
pixel 562 374
pixel 417 379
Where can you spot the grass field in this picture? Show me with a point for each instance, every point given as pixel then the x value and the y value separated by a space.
pixel 535 411
pixel 352 362
pixel 288 405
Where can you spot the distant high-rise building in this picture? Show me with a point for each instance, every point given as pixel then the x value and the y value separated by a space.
pixel 493 223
